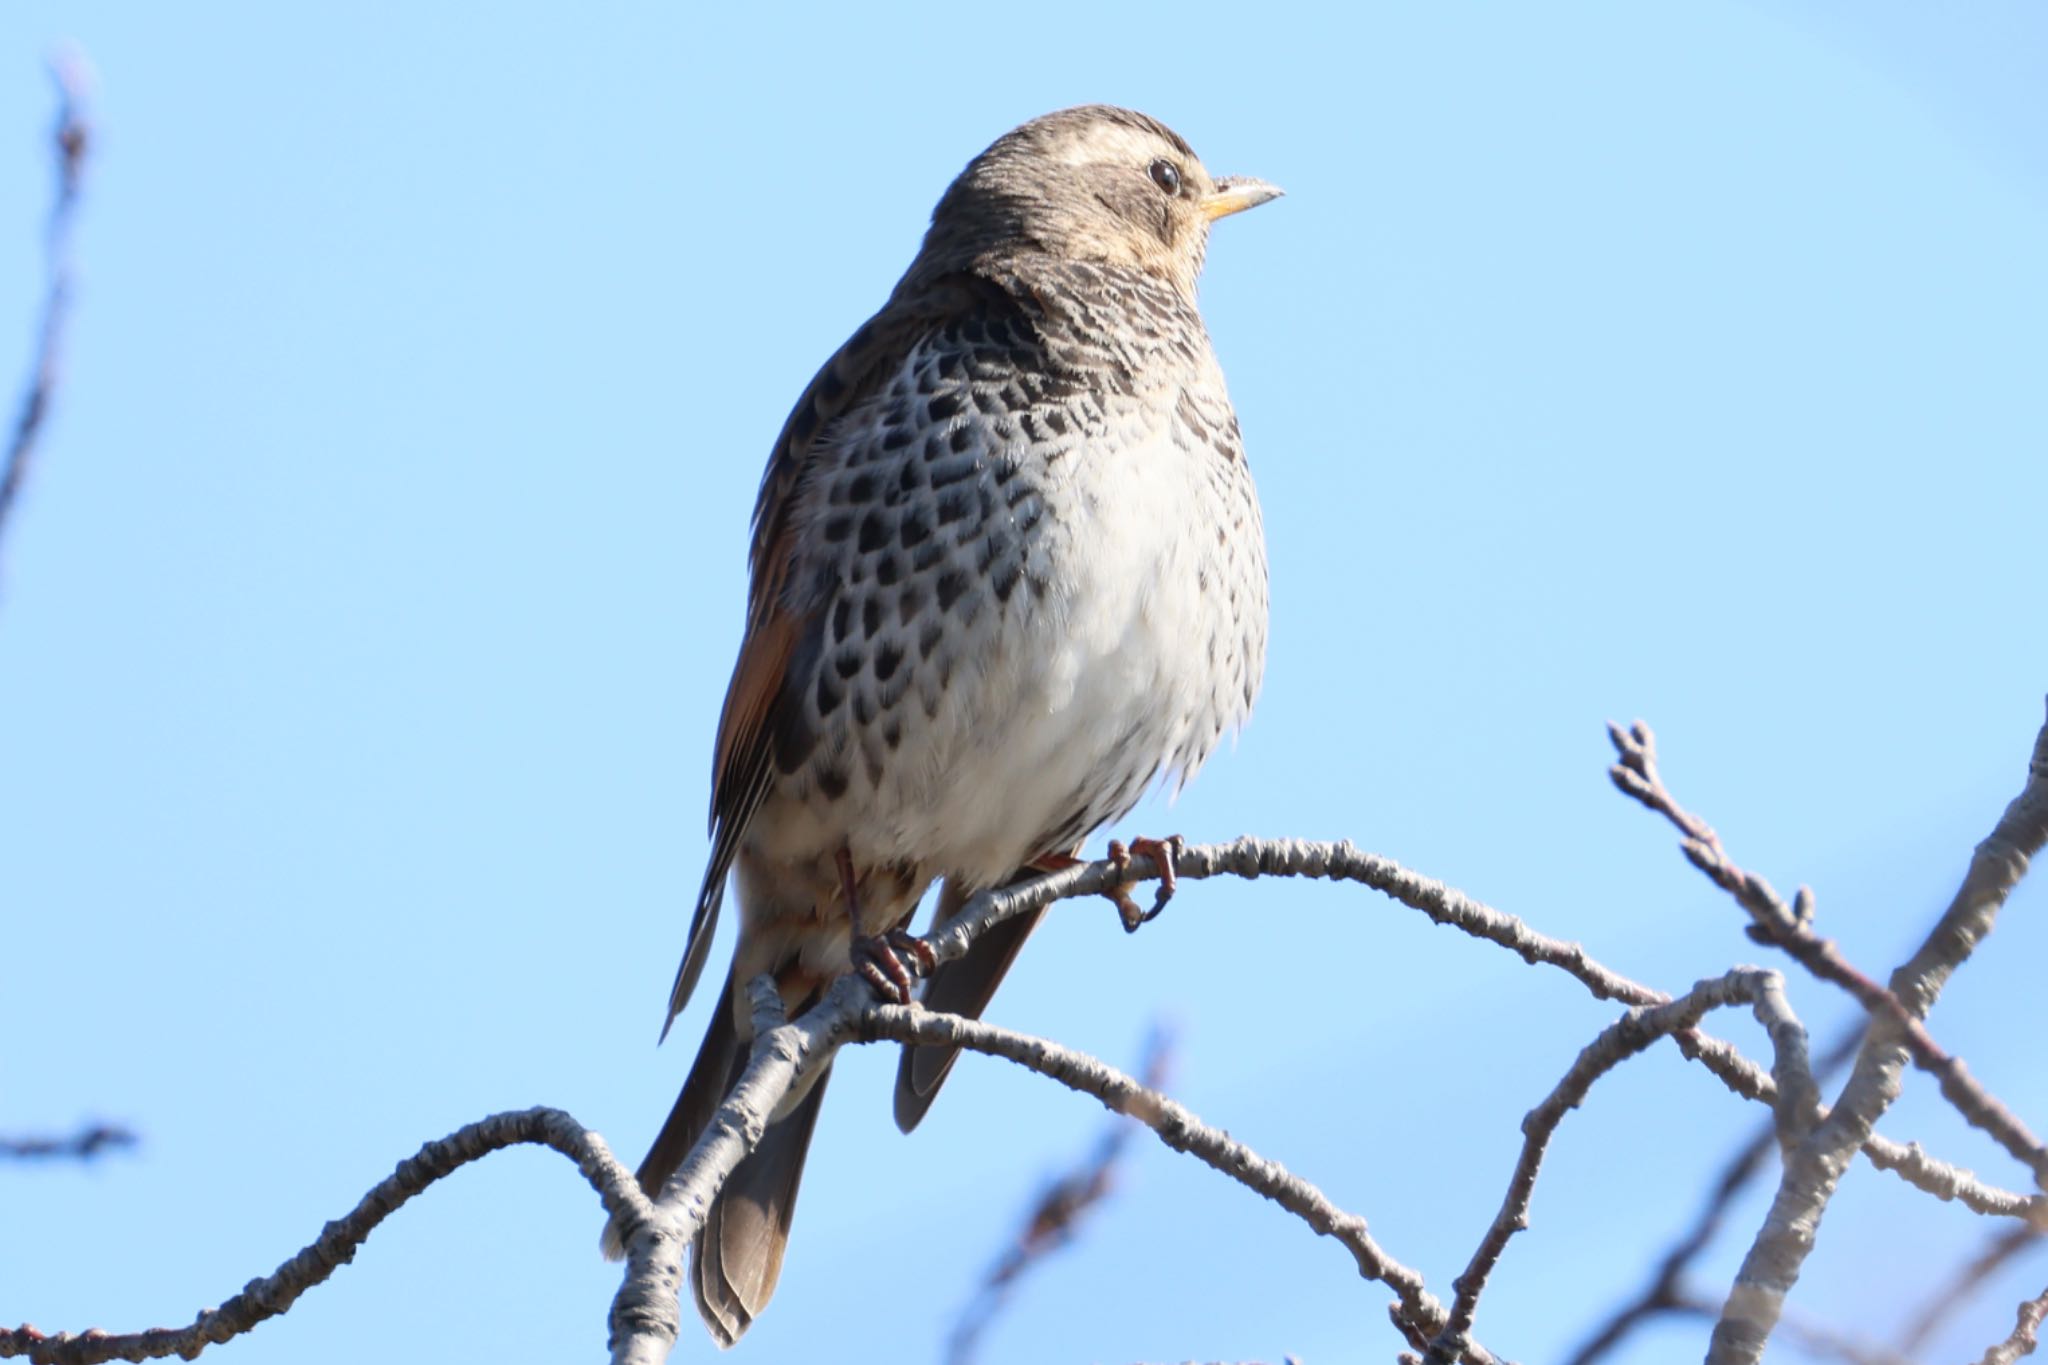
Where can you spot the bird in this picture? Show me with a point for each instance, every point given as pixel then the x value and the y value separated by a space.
pixel 1007 570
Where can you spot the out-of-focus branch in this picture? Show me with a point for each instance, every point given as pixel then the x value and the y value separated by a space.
pixel 83 1145
pixel 337 1243
pixel 2002 1249
pixel 1790 927
pixel 1796 1110
pixel 1665 1293
pixel 1814 1166
pixel 1055 1218
pixel 70 140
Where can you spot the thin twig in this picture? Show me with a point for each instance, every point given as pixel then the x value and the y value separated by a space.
pixel 337 1243
pixel 1055 1217
pixel 83 1145
pixel 70 139
pixel 1763 991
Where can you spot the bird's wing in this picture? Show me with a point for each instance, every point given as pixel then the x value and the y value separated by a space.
pixel 784 616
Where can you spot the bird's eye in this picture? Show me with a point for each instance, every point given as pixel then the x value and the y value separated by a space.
pixel 1166 176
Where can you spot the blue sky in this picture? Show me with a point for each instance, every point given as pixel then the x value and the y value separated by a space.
pixel 363 631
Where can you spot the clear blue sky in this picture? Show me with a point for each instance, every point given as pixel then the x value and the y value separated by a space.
pixel 363 631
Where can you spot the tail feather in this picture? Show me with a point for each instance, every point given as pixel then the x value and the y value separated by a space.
pixel 738 1253
pixel 963 986
pixel 736 1257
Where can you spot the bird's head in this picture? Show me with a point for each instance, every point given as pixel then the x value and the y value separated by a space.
pixel 1094 183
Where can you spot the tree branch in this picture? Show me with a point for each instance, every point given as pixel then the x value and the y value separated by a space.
pixel 1665 1291
pixel 1763 991
pixel 70 139
pixel 2010 1244
pixel 645 1313
pixel 83 1145
pixel 1418 1311
pixel 1815 1166
pixel 1813 1338
pixel 1342 861
pixel 1055 1217
pixel 1790 927
pixel 2025 1334
pixel 337 1243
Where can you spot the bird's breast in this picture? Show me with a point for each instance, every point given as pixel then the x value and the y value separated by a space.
pixel 1027 613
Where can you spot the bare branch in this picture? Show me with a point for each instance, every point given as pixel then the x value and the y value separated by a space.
pixel 1418 1310
pixel 70 139
pixel 1815 1166
pixel 1664 1292
pixel 1342 861
pixel 1054 1219
pixel 337 1243
pixel 83 1145
pixel 1790 927
pixel 646 1312
pixel 644 1316
pixel 1763 991
pixel 1910 1162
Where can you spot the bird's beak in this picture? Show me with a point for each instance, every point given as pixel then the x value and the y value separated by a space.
pixel 1235 194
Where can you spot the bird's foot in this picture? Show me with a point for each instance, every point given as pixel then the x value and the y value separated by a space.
pixel 1164 852
pixel 879 958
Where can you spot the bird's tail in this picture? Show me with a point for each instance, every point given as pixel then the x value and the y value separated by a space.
pixel 736 1257
pixel 964 987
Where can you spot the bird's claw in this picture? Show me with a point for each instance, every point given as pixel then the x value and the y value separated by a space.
pixel 903 941
pixel 1164 852
pixel 879 958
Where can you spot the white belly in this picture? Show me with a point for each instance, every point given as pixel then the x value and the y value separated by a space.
pixel 1073 702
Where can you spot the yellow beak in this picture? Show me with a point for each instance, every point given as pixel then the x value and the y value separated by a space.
pixel 1235 194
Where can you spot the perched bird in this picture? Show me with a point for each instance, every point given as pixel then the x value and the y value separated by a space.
pixel 1007 569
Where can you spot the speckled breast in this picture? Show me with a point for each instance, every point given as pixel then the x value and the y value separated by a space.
pixel 1036 568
